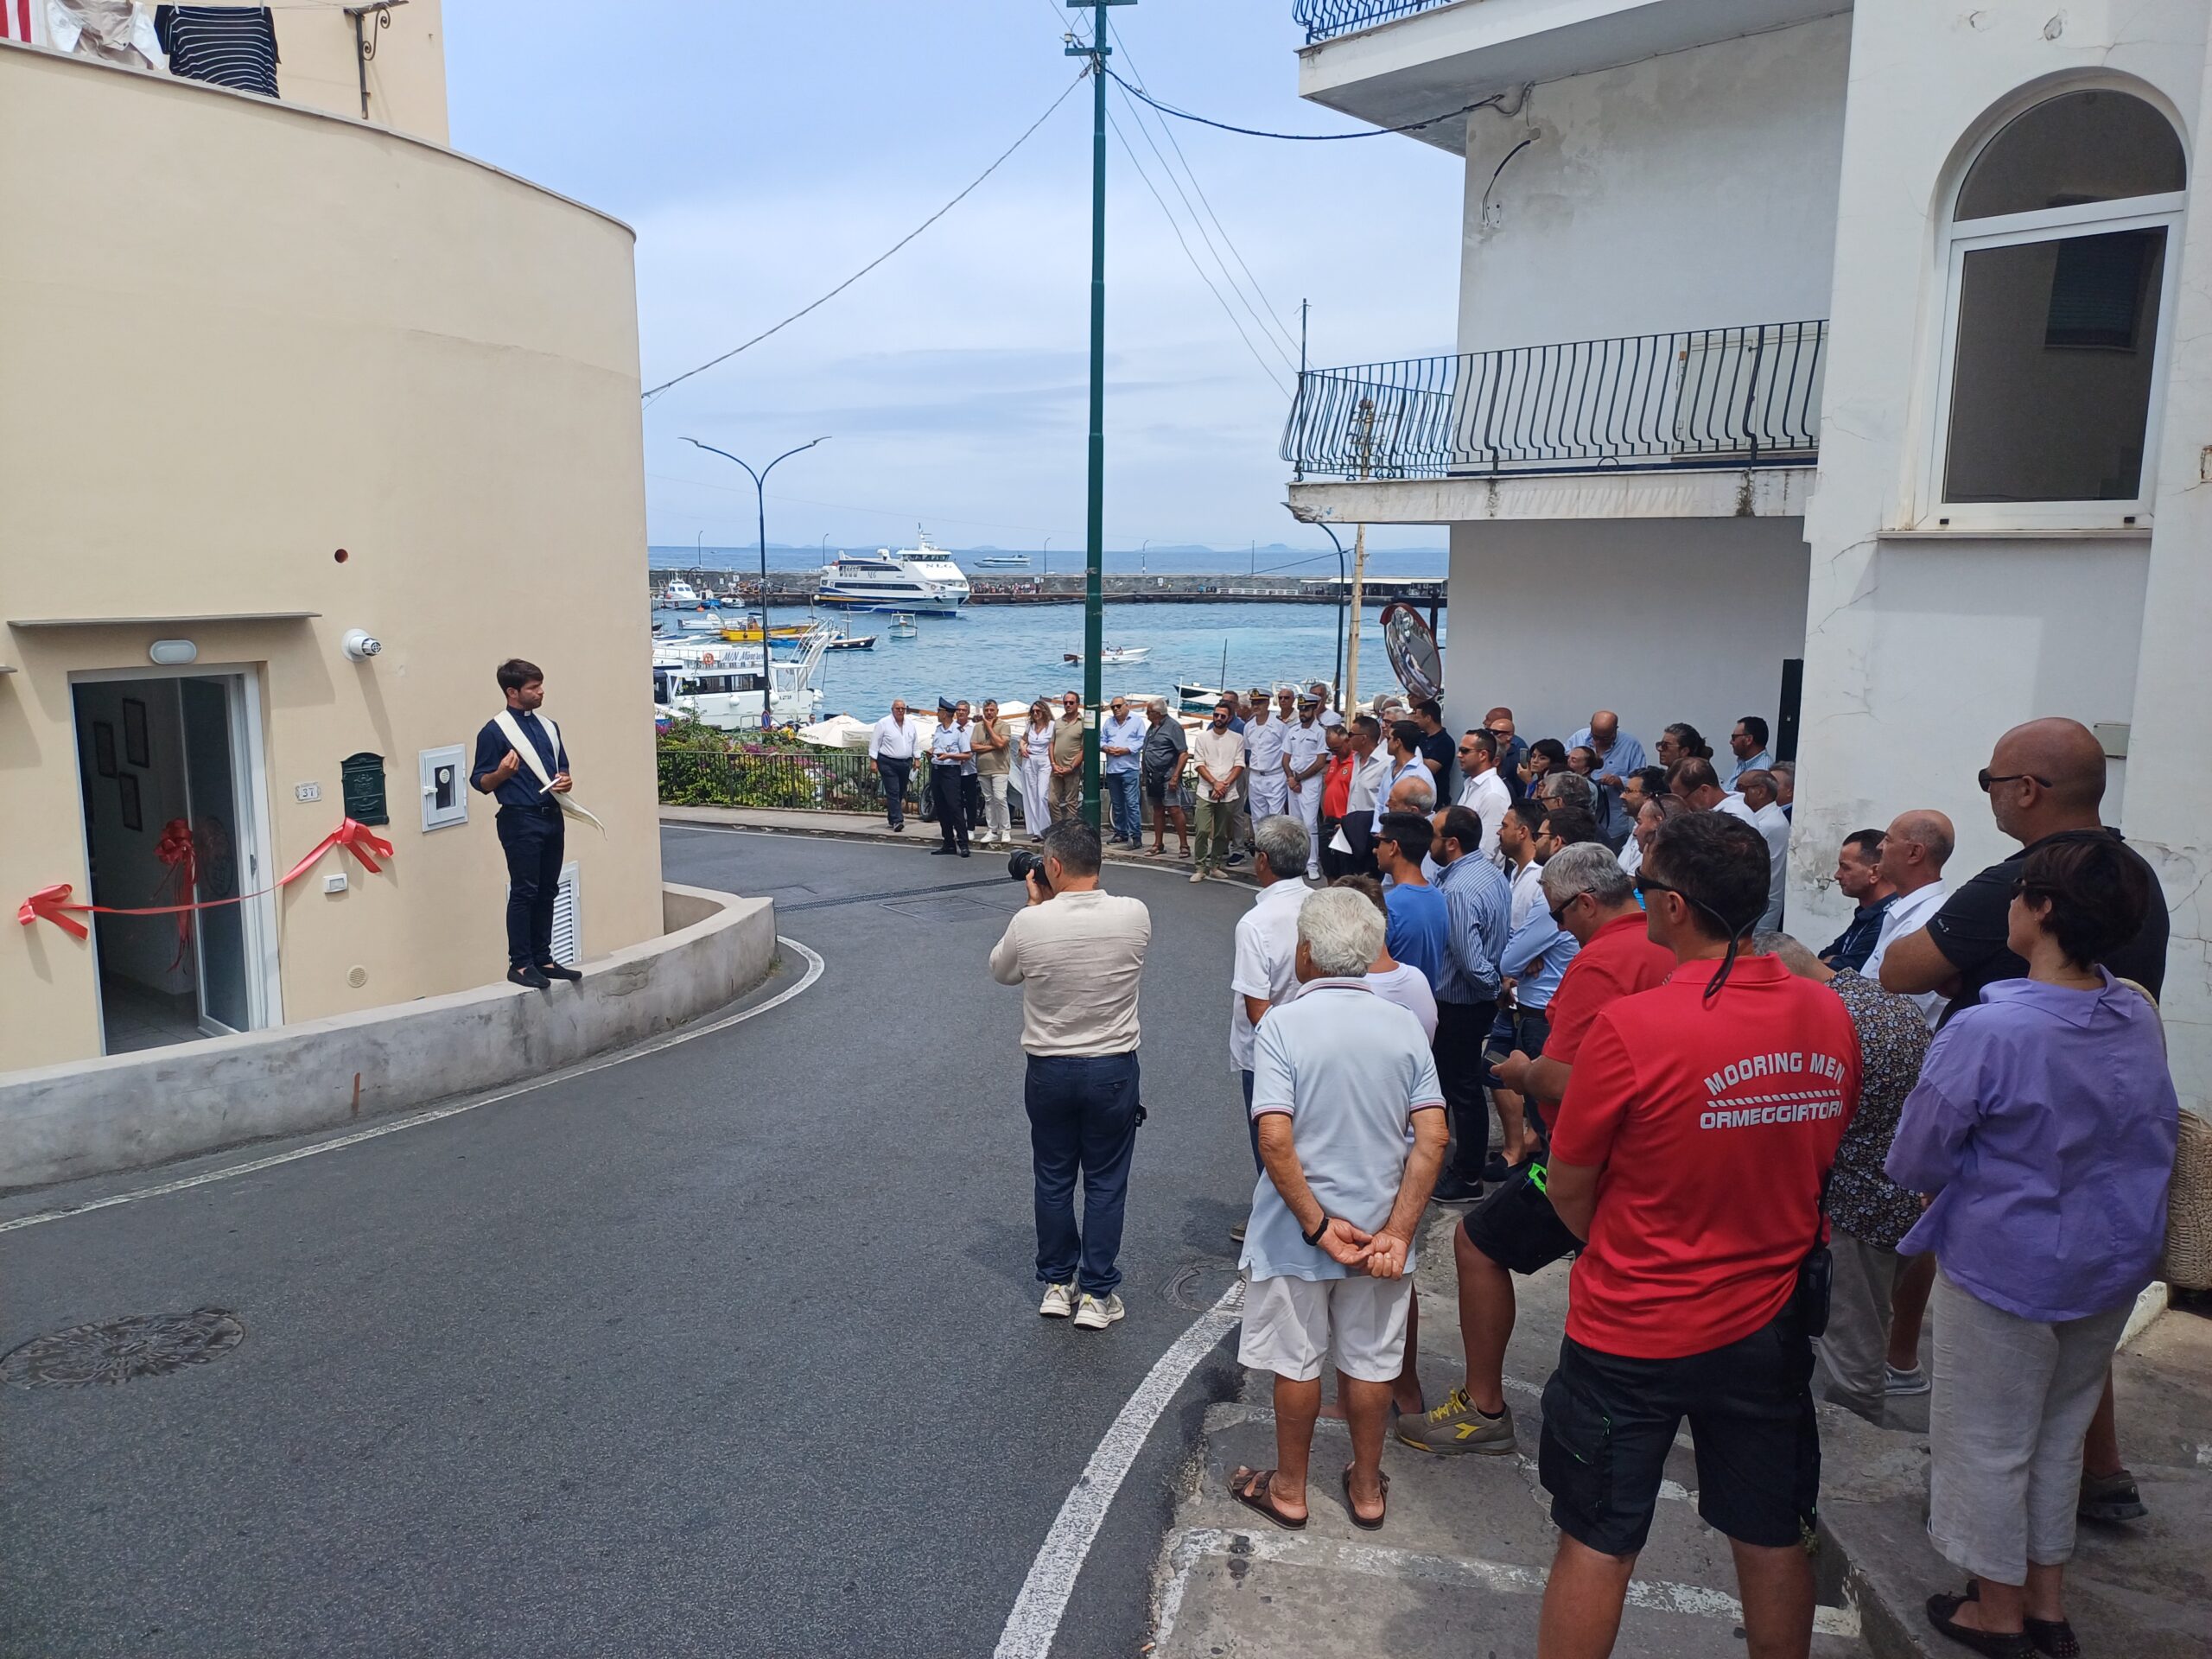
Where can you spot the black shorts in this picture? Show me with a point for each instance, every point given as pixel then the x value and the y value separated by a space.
pixel 1609 1422
pixel 1515 1226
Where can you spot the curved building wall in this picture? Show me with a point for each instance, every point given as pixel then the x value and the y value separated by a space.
pixel 236 337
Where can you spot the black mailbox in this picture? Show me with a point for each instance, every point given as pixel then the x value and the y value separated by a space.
pixel 361 784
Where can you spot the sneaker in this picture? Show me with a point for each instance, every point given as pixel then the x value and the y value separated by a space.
pixel 1496 1169
pixel 2110 1497
pixel 1236 1231
pixel 1895 1382
pixel 1454 1189
pixel 1059 1300
pixel 1456 1428
pixel 1235 859
pixel 1096 1313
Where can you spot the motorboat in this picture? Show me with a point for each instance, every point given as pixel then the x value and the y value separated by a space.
pixel 720 685
pixel 1194 699
pixel 679 592
pixel 1003 561
pixel 1113 655
pixel 852 642
pixel 748 634
pixel 902 626
pixel 920 581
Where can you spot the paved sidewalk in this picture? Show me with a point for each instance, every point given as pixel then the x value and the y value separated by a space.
pixel 858 826
pixel 1460 1567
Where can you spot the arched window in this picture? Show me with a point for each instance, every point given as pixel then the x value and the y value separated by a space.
pixel 2059 273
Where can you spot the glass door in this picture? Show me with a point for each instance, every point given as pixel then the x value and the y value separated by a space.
pixel 222 839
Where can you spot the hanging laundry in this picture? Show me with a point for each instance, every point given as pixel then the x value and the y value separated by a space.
pixel 230 46
pixel 114 31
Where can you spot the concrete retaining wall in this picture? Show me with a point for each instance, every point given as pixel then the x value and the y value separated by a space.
pixel 126 1111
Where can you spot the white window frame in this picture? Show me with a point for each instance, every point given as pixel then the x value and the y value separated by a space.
pixel 2011 230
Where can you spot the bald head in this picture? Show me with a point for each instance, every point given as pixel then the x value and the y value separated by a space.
pixel 1798 958
pixel 1915 850
pixel 1604 729
pixel 2046 776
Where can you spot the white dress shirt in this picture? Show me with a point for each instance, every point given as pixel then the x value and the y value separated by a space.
pixel 1266 960
pixel 1488 798
pixel 1909 914
pixel 1528 893
pixel 892 740
pixel 1774 824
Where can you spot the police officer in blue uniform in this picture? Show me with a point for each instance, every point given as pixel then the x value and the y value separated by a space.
pixel 529 824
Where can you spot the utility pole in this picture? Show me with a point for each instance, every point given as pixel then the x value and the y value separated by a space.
pixel 760 501
pixel 1094 579
pixel 1359 558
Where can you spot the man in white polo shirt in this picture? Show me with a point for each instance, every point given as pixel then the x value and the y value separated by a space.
pixel 1267 948
pixel 1351 1137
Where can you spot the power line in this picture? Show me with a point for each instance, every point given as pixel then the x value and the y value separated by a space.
pixel 1302 138
pixel 1135 111
pixel 1227 309
pixel 1266 305
pixel 711 362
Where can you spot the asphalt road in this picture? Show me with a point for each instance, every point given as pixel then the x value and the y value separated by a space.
pixel 728 1349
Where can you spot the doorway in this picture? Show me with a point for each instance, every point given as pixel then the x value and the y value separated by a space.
pixel 170 775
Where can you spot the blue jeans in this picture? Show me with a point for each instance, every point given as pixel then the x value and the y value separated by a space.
pixel 1083 1116
pixel 1128 814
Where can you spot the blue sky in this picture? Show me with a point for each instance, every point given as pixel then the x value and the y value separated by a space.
pixel 763 151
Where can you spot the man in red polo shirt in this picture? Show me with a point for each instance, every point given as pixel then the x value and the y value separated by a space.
pixel 1515 1229
pixel 1690 1151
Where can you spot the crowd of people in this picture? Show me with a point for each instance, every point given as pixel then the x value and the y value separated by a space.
pixel 1549 982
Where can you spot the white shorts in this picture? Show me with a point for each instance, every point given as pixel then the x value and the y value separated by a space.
pixel 1292 1324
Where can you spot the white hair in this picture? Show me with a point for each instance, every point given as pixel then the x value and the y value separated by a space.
pixel 1588 867
pixel 1419 793
pixel 1342 930
pixel 1283 839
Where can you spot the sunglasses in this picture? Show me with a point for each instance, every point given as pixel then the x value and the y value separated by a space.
pixel 1559 911
pixel 1986 778
pixel 1647 885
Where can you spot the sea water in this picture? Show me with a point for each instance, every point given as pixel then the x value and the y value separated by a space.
pixel 1015 653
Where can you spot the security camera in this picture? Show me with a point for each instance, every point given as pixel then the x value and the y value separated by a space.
pixel 361 644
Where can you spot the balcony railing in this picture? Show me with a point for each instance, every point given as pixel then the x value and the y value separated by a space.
pixel 1747 397
pixel 1326 19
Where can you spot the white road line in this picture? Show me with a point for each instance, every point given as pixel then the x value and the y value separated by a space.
pixel 1035 1619
pixel 1380 1560
pixel 436 1113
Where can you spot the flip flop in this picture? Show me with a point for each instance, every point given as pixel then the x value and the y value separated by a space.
pixel 1352 1509
pixel 1255 1490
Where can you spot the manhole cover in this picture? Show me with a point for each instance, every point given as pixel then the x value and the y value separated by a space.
pixel 117 1351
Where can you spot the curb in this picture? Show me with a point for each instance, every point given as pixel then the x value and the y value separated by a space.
pixel 797 825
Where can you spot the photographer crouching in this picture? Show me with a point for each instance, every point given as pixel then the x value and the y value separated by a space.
pixel 1077 953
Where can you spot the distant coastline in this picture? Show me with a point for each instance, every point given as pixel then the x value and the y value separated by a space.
pixel 1191 560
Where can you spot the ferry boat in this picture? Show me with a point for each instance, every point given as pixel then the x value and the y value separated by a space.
pixel 719 684
pixel 1003 561
pixel 921 581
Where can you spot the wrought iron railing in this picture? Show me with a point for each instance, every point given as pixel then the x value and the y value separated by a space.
pixel 1695 398
pixel 1325 19
pixel 813 780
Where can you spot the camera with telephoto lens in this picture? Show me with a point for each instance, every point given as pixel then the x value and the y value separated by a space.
pixel 1021 864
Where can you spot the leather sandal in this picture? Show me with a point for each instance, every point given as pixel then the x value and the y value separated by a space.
pixel 1255 1490
pixel 1998 1644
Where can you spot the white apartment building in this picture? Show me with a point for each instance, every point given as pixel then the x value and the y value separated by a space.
pixel 1847 365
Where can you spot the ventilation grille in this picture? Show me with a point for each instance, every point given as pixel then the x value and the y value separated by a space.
pixel 567 919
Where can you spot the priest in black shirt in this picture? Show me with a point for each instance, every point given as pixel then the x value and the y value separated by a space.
pixel 529 821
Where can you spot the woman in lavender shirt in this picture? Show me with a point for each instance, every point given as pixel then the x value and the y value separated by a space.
pixel 2043 1125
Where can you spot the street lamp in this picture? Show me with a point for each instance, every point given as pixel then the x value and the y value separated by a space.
pixel 760 501
pixel 1343 591
pixel 1048 555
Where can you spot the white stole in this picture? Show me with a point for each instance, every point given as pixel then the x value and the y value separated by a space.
pixel 510 728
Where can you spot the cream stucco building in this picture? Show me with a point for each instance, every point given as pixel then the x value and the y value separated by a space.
pixel 1847 365
pixel 272 375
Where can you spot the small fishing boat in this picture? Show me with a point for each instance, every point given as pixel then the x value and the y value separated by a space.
pixel 1114 656
pixel 849 642
pixel 902 626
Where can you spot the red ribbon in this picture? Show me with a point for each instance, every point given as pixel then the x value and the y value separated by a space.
pixel 52 904
pixel 175 850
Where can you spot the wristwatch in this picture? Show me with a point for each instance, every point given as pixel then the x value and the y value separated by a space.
pixel 1314 1237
